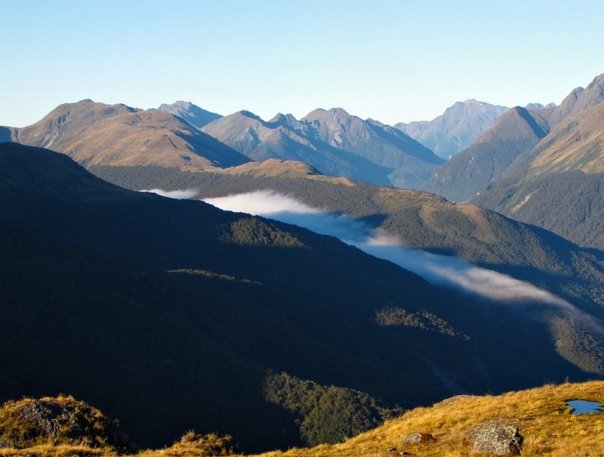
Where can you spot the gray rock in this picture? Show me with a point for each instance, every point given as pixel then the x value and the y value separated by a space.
pixel 497 437
pixel 415 438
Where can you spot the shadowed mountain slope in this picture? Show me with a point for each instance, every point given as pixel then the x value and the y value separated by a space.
pixel 418 219
pixel 515 133
pixel 543 167
pixel 558 185
pixel 168 314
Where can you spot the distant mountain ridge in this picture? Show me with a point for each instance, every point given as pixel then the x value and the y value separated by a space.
pixel 579 99
pixel 184 136
pixel 456 128
pixel 332 141
pixel 515 133
pixel 535 165
pixel 99 134
pixel 559 183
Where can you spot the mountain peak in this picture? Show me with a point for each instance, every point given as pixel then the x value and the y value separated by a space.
pixel 249 114
pixel 176 104
pixel 597 81
pixel 283 119
pixel 193 114
pixel 455 129
pixel 338 111
pixel 321 113
pixel 578 100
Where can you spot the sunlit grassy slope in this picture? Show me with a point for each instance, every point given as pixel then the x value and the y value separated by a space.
pixel 545 422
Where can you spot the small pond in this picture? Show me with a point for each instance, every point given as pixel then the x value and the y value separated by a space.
pixel 584 406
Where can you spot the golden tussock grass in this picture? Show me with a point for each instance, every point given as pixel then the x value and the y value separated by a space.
pixel 62 450
pixel 546 423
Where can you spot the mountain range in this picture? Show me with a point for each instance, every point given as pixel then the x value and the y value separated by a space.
pixel 99 134
pixel 105 289
pixel 332 141
pixel 516 132
pixel 119 296
pixel 542 167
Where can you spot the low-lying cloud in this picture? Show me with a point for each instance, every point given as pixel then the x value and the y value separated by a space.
pixel 175 194
pixel 565 321
pixel 436 269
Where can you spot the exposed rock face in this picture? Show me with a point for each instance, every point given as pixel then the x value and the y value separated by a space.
pixel 497 437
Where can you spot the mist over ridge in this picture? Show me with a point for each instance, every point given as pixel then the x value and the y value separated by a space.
pixel 437 269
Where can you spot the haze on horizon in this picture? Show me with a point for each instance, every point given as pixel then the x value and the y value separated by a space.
pixel 388 60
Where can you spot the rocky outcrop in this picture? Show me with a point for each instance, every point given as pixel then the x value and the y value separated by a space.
pixel 497 437
pixel 55 420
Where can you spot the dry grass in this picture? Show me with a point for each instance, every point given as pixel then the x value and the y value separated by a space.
pixel 545 422
pixel 49 450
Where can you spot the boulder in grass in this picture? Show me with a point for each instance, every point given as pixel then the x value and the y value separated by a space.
pixel 497 437
pixel 418 437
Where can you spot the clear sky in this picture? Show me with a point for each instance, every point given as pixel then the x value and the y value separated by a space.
pixel 385 59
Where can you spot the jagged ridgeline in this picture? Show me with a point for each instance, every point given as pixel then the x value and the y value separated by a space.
pixel 168 314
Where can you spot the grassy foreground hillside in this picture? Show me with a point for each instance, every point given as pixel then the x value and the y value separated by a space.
pixel 546 425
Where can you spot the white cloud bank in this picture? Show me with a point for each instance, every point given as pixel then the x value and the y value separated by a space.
pixel 175 194
pixel 437 269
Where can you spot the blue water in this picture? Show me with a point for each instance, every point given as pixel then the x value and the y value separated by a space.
pixel 584 407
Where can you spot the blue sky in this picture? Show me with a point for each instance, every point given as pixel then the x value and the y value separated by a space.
pixel 385 59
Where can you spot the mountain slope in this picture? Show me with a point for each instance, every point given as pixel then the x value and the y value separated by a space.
pixel 455 129
pixel 331 141
pixel 419 219
pixel 98 134
pixel 540 415
pixel 538 421
pixel 193 114
pixel 545 164
pixel 168 314
pixel 425 221
pixel 515 133
pixel 563 175
pixel 5 134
